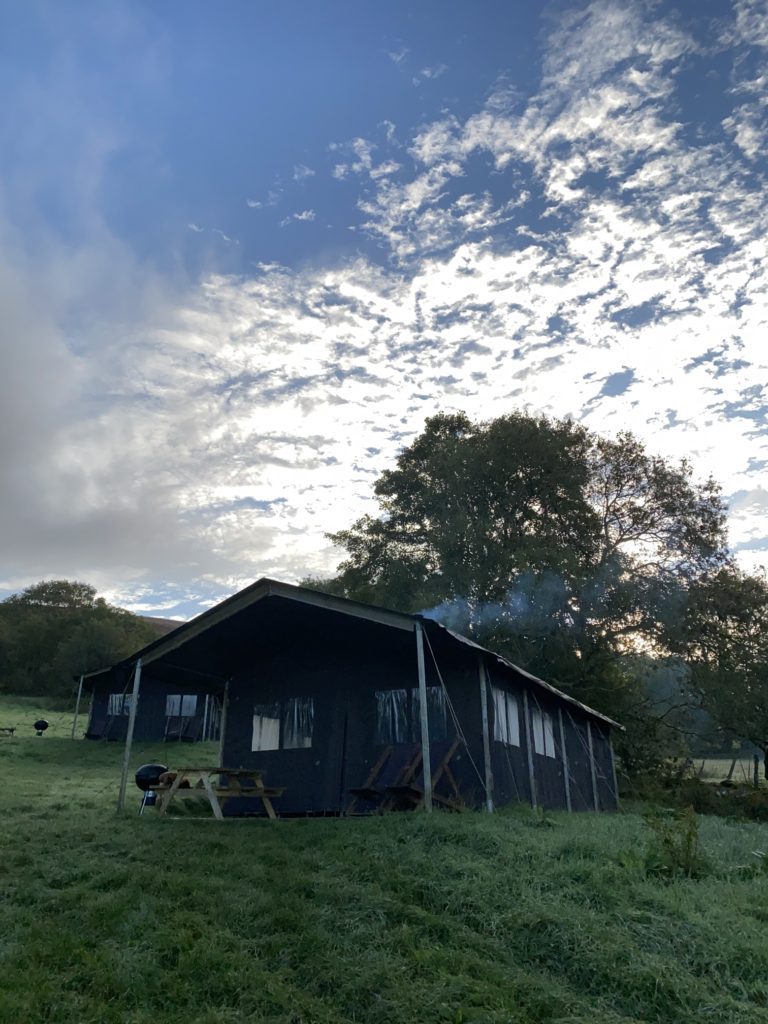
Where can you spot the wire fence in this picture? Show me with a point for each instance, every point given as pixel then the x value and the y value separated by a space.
pixel 739 769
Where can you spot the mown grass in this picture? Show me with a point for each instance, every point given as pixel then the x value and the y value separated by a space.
pixel 455 919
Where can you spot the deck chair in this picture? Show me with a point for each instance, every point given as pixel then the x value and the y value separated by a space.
pixel 174 727
pixel 409 792
pixel 191 730
pixel 395 764
pixel 98 727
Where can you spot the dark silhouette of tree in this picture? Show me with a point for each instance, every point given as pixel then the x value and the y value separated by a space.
pixel 57 629
pixel 562 549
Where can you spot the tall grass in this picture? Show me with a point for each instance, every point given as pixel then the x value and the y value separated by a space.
pixel 450 919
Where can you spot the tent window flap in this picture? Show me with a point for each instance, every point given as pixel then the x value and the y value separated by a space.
pixel 119 704
pixel 398 715
pixel 543 732
pixel 298 722
pixel 284 724
pixel 181 705
pixel 506 720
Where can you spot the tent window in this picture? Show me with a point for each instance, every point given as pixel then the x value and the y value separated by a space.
pixel 506 721
pixel 392 716
pixel 283 725
pixel 119 704
pixel 266 727
pixel 298 721
pixel 181 705
pixel 398 715
pixel 437 714
pixel 543 732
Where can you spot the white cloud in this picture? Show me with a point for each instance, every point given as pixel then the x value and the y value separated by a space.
pixel 361 157
pixel 751 25
pixel 384 169
pixel 301 215
pixel 301 171
pixel 398 55
pixel 273 198
pixel 224 237
pixel 436 71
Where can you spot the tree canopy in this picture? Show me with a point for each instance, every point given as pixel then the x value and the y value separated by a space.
pixel 564 550
pixel 58 629
pixel 724 640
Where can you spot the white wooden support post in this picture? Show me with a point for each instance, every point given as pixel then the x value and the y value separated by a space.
pixel 205 719
pixel 223 723
pixel 77 706
pixel 566 769
pixel 529 749
pixel 425 754
pixel 129 735
pixel 592 765
pixel 486 734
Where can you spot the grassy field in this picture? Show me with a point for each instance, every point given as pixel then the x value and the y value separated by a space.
pixel 715 769
pixel 455 919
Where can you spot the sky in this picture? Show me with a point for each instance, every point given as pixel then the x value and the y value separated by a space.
pixel 247 248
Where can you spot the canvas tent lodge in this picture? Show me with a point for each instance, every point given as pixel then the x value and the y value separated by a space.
pixel 171 709
pixel 352 708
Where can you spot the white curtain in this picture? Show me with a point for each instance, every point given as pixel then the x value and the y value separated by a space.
pixel 266 733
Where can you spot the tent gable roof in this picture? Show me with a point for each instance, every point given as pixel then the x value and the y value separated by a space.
pixel 265 588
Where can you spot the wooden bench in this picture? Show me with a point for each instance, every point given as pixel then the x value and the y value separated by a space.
pixel 230 783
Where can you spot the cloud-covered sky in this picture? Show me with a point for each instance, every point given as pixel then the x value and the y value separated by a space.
pixel 246 250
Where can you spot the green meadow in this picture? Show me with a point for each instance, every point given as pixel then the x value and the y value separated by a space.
pixel 454 919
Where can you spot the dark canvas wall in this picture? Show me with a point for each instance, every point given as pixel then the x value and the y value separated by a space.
pixel 152 723
pixel 362 695
pixel 345 684
pixel 563 737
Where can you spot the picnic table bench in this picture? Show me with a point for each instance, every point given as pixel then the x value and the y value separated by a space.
pixel 217 785
pixel 7 730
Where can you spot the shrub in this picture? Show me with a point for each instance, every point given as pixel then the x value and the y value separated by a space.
pixel 675 848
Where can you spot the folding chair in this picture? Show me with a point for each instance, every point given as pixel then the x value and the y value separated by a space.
pixel 395 764
pixel 410 790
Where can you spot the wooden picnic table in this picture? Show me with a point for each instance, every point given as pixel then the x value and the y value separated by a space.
pixel 7 730
pixel 217 785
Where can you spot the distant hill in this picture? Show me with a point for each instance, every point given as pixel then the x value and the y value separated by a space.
pixel 161 626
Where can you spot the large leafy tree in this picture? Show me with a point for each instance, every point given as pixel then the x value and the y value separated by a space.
pixel 562 549
pixel 57 629
pixel 724 639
